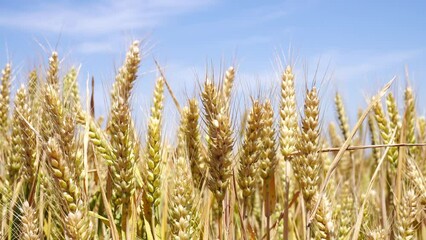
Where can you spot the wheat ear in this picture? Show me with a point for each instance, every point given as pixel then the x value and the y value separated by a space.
pixel 5 99
pixel 71 93
pixel 63 179
pixel 154 148
pixel 219 143
pixel 228 83
pixel 394 117
pixel 407 211
pixel 191 114
pixel 219 146
pixel 288 114
pixel 127 74
pixel 268 162
pixel 53 71
pixel 374 138
pixel 268 159
pixel 341 115
pixel 410 119
pixel 247 172
pixel 29 227
pixel 415 175
pixel 288 130
pixel 18 155
pixel 23 140
pixel 121 141
pixel 78 226
pixel 307 165
pixel 386 134
pixel 182 203
pixel 346 216
pixel 323 222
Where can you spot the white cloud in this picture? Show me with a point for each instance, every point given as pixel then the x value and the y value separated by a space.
pixel 94 18
pixel 355 64
pixel 376 62
pixel 95 47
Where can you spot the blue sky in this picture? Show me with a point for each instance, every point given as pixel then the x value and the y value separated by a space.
pixel 359 44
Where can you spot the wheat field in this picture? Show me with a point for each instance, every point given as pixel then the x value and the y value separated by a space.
pixel 275 171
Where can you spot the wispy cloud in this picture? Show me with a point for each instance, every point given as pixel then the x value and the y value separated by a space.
pixel 377 62
pixel 95 47
pixel 95 18
pixel 354 64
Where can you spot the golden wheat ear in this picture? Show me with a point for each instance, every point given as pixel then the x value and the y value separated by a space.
pixel 183 213
pixel 78 225
pixel 386 133
pixel 346 215
pixel 248 170
pixel 5 99
pixel 219 145
pixel 268 159
pixel 268 162
pixel 62 177
pixel 192 137
pixel 154 150
pixel 33 85
pixel 71 92
pixel 121 150
pixel 410 119
pixel 406 215
pixel 219 141
pixel 323 223
pixel 307 164
pixel 288 115
pixel 228 83
pixel 23 143
pixel 29 223
pixel 374 139
pixel 53 72
pixel 341 115
pixel 393 114
pixel 127 74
